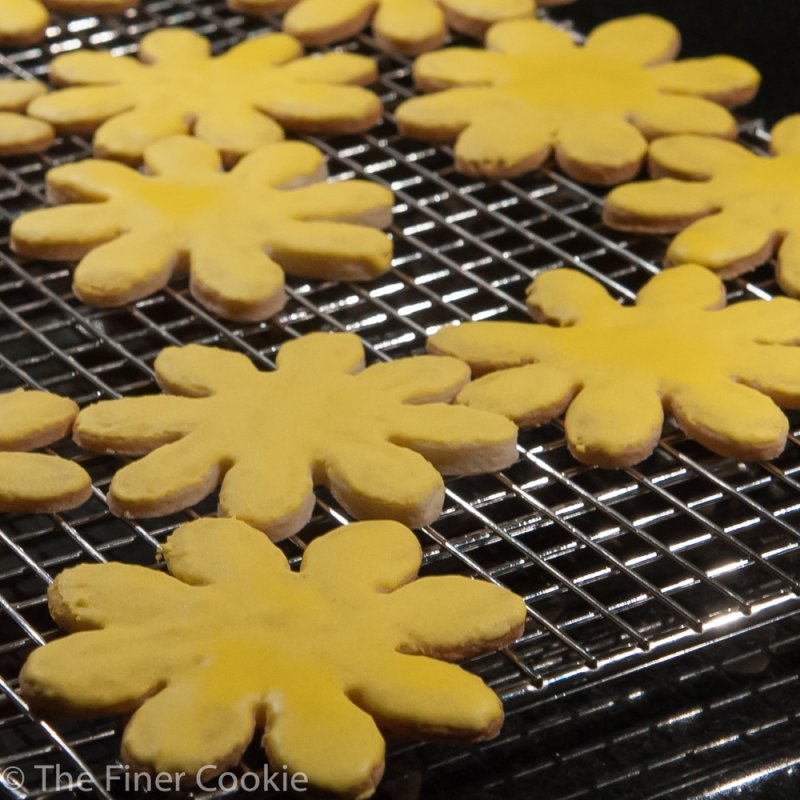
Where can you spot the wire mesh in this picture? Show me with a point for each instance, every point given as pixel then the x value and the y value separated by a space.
pixel 616 567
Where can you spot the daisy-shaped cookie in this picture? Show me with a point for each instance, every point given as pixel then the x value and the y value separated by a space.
pixel 534 91
pixel 721 372
pixel 23 22
pixel 237 232
pixel 375 438
pixel 20 134
pixel 236 101
pixel 233 640
pixel 36 482
pixel 406 26
pixel 734 208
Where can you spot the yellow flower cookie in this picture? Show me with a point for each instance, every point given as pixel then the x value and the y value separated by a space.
pixel 721 372
pixel 23 22
pixel 734 208
pixel 406 26
pixel 35 482
pixel 237 232
pixel 234 641
pixel 534 91
pixel 236 101
pixel 20 134
pixel 375 438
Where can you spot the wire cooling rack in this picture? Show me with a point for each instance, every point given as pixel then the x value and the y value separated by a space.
pixel 619 569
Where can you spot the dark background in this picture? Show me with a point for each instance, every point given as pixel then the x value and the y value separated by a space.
pixel 764 32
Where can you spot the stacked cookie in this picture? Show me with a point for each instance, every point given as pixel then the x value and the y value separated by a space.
pixel 192 173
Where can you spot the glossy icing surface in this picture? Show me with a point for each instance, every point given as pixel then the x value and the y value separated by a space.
pixel 237 232
pixel 235 641
pixel 375 438
pixel 18 133
pixel 614 370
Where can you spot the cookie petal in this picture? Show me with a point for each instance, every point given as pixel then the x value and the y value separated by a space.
pixel 473 616
pixel 788 271
pixel 604 151
pixel 775 323
pixel 236 279
pixel 38 483
pixel 332 352
pixel 687 286
pixel 529 395
pixel 274 494
pixel 459 66
pixel 344 756
pixel 614 424
pixel 786 136
pixel 696 157
pixel 316 22
pixel 20 135
pixel 457 440
pixel 135 425
pixel 171 478
pixel 355 201
pixel 731 419
pixel 385 482
pixel 723 242
pixel 285 165
pixel 31 419
pixel 174 45
pixel 528 37
pixel 467 16
pixel 773 370
pixel 667 114
pixel 418 379
pixel 223 551
pixel 66 232
pixel 367 556
pixel 410 26
pixel 93 672
pixel 431 698
pixel 275 49
pixel 127 269
pixel 15 94
pixel 321 108
pixel 566 297
pixel 181 154
pixel 642 39
pixel 723 79
pixel 126 136
pixel 348 68
pixel 82 108
pixel 198 371
pixel 331 250
pixel 88 66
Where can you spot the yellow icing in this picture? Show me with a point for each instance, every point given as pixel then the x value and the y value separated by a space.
pixel 236 101
pixel 376 439
pixel 236 231
pixel 534 90
pixel 23 20
pixel 236 641
pixel 410 26
pixel 748 205
pixel 31 481
pixel 614 369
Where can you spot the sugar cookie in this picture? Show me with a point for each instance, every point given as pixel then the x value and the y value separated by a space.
pixel 534 91
pixel 237 232
pixel 233 640
pixel 236 101
pixel 734 208
pixel 376 439
pixel 721 372
pixel 20 134
pixel 35 482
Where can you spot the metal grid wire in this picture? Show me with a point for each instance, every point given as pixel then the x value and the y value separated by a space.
pixel 617 567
